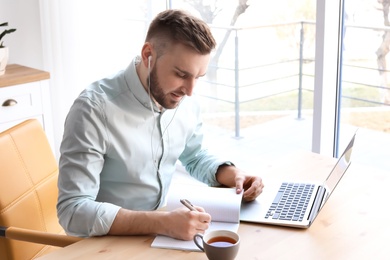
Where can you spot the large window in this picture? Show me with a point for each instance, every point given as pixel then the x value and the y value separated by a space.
pixel 365 95
pixel 266 95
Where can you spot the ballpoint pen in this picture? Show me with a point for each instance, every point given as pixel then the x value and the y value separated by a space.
pixel 188 204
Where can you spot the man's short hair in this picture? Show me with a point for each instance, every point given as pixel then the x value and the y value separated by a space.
pixel 171 27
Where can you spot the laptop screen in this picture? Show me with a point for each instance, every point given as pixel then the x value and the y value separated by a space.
pixel 339 169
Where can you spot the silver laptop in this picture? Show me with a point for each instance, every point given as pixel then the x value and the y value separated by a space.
pixel 296 204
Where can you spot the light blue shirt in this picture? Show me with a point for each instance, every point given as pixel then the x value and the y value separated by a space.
pixel 112 147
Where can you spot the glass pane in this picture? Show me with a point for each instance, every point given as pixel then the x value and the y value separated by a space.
pixel 365 81
pixel 258 93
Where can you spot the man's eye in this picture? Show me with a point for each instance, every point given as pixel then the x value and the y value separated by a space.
pixel 181 75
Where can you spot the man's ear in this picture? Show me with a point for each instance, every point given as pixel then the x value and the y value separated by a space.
pixel 147 54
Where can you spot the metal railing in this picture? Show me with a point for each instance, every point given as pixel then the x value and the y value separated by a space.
pixel 296 72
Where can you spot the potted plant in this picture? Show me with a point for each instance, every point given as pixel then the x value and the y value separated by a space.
pixel 4 52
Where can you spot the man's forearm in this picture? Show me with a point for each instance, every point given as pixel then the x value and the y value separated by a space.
pixel 128 222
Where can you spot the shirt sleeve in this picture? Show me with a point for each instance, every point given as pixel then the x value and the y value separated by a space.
pixel 82 158
pixel 198 161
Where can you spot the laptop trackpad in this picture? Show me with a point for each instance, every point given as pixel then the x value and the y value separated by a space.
pixel 256 210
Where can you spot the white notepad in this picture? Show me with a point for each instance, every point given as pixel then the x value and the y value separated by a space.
pixel 223 204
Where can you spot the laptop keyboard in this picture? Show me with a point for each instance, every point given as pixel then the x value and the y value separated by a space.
pixel 291 201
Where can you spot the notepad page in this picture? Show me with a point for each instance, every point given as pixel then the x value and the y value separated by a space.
pixel 223 204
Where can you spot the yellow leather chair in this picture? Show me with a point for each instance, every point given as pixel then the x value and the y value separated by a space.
pixel 28 194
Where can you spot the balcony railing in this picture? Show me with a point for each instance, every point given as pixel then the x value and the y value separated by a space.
pixel 274 59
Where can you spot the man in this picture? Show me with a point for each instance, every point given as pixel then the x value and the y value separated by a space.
pixel 124 134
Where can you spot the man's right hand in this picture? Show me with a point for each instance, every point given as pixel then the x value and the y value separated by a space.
pixel 184 224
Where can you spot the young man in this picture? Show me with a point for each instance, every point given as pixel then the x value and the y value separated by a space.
pixel 124 135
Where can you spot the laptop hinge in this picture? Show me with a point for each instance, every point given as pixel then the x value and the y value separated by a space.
pixel 317 204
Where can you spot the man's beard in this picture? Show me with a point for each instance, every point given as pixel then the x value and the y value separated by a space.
pixel 157 92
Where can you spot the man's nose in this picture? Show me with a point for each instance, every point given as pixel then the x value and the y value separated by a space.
pixel 189 86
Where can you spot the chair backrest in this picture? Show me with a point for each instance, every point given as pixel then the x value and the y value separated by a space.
pixel 28 187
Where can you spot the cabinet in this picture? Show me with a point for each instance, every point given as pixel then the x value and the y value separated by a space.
pixel 24 94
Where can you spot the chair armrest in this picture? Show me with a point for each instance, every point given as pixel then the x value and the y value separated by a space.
pixel 39 237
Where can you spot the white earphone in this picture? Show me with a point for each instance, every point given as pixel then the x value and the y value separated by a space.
pixel 159 146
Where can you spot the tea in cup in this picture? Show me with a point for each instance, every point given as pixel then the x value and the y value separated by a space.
pixel 218 244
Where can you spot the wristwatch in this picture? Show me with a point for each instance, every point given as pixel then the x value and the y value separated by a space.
pixel 227 164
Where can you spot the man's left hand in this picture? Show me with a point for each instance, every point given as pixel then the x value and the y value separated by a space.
pixel 252 186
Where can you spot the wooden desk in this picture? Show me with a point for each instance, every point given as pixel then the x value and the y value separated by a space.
pixel 350 226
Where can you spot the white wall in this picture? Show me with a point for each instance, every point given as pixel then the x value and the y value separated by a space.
pixel 25 44
pixel 82 45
